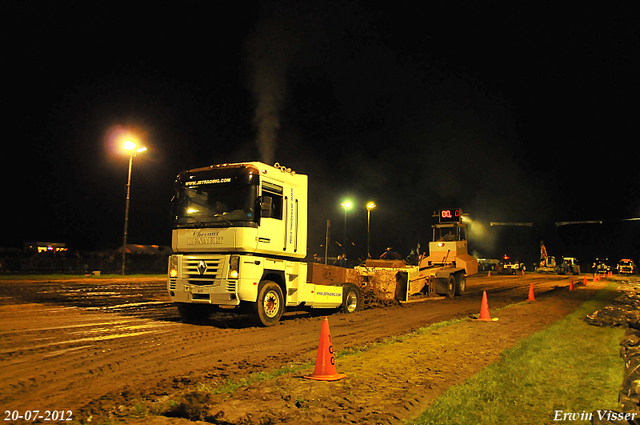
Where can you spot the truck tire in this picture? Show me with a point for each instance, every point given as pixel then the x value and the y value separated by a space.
pixel 351 299
pixel 449 286
pixel 269 306
pixel 193 312
pixel 446 286
pixel 461 284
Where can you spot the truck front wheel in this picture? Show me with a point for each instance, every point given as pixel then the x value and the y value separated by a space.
pixel 269 306
pixel 351 299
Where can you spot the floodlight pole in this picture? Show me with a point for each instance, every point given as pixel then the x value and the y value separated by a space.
pixel 126 214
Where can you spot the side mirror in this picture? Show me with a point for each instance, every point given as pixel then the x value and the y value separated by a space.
pixel 266 206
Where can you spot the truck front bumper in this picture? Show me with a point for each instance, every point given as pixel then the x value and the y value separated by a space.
pixel 217 293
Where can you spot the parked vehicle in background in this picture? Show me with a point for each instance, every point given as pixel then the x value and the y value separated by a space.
pixel 600 266
pixel 506 266
pixel 626 266
pixel 569 265
pixel 547 262
pixel 487 264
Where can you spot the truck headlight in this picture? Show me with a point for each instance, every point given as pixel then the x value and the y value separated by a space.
pixel 173 266
pixel 234 267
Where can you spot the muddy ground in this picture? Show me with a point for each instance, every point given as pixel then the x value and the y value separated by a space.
pixel 117 349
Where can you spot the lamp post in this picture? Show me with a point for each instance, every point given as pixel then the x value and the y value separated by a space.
pixel 346 205
pixel 130 147
pixel 370 206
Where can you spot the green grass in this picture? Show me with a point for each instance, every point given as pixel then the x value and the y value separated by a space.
pixel 570 366
pixel 231 385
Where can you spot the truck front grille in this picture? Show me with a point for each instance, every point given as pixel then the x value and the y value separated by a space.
pixel 202 270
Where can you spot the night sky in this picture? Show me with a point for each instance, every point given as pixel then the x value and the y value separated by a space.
pixel 512 113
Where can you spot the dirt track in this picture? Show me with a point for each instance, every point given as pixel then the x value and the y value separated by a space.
pixel 96 347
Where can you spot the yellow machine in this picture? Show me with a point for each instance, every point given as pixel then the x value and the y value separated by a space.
pixel 443 272
pixel 547 262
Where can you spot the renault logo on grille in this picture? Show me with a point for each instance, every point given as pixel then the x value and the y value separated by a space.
pixel 202 267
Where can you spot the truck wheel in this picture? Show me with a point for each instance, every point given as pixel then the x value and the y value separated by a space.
pixel 193 312
pixel 351 299
pixel 461 284
pixel 269 306
pixel 451 286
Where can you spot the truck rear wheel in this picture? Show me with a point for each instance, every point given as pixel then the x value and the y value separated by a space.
pixel 269 306
pixel 461 284
pixel 351 299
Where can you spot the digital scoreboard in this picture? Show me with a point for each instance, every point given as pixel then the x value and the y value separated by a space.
pixel 449 216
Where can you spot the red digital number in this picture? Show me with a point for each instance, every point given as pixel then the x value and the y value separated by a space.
pixel 446 213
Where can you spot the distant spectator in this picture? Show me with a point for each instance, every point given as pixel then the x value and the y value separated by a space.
pixel 341 261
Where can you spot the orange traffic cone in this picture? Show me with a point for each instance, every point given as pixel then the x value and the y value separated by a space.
pixel 571 285
pixel 522 272
pixel 484 309
pixel 585 281
pixel 325 362
pixel 489 273
pixel 531 296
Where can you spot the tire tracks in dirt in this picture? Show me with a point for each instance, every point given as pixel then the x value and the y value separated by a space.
pixel 93 353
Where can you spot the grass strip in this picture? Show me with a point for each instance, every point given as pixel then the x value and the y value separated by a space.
pixel 570 367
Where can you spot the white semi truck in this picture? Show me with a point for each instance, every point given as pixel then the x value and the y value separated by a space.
pixel 239 240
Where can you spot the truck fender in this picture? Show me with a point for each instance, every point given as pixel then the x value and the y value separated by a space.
pixel 276 276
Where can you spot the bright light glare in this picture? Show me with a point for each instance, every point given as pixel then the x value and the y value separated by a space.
pixel 141 150
pixel 129 145
pixel 192 210
pixel 347 204
pixel 371 206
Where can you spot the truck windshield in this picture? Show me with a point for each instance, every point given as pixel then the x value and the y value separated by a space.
pixel 215 205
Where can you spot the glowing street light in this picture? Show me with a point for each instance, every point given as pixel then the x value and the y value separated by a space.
pixel 130 147
pixel 370 206
pixel 347 206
